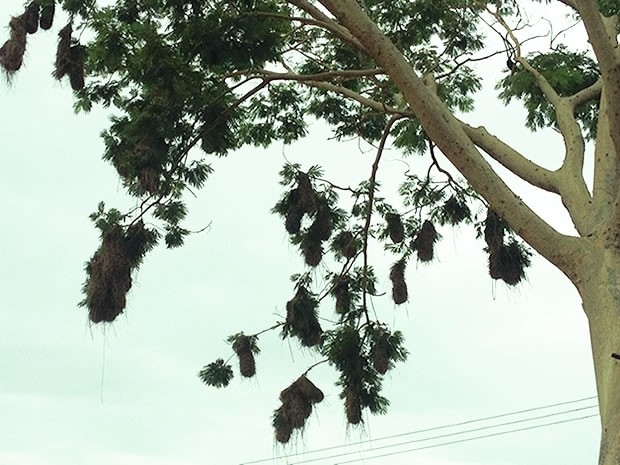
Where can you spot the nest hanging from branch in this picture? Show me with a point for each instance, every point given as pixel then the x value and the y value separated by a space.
pixel 395 227
pixel 243 348
pixel 76 72
pixel 31 18
pixel 108 272
pixel 63 52
pixel 12 51
pixel 399 286
pixel 46 18
pixel 346 244
pixel 381 353
pixel 342 294
pixel 353 404
pixel 297 402
pixel 301 318
pixel 425 242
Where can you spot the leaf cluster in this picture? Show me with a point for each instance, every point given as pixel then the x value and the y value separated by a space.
pixel 567 73
pixel 217 374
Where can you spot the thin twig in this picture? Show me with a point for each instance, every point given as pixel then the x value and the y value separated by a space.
pixel 371 198
pixel 325 360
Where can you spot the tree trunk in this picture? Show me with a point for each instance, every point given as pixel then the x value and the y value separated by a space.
pixel 600 293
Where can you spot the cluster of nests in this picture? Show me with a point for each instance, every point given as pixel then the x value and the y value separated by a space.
pixel 424 245
pixel 303 200
pixel 424 242
pixel 69 55
pixel 353 364
pixel 297 402
pixel 302 319
pixel 108 273
pixel 12 52
pixel 70 59
pixel 507 261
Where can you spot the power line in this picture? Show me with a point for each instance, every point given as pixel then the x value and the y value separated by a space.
pixel 435 428
pixel 482 428
pixel 466 440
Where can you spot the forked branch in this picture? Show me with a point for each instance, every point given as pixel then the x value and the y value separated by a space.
pixel 446 131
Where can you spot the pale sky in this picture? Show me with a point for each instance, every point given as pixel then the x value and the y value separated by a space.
pixel 128 394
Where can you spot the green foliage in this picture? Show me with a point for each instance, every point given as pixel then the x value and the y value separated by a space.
pixel 217 374
pixel 190 80
pixel 302 318
pixel 567 73
pixel 252 341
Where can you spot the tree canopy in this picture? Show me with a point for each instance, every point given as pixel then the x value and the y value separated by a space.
pixel 187 80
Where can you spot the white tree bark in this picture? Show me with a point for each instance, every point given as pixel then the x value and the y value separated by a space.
pixel 592 260
pixel 600 293
pixel 447 132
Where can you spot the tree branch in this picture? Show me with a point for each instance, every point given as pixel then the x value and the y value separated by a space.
pixel 445 130
pixel 323 76
pixel 371 197
pixel 512 160
pixel 605 165
pixel 602 34
pixel 327 23
pixel 603 38
pixel 570 181
pixel 569 3
pixel 585 95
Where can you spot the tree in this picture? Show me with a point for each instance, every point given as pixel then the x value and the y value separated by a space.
pixel 191 76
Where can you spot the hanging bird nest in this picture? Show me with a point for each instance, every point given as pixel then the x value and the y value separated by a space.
pixel 63 53
pixel 322 226
pixel 136 243
pixel 353 404
pixel 76 72
pixel 345 244
pixel 312 252
pixel 293 213
pixel 493 230
pixel 454 211
pixel 342 294
pixel 292 220
pixel 301 319
pixel 307 196
pixel 282 426
pixel 108 272
pixel 381 353
pixel 243 348
pixel 148 180
pixel 31 18
pixel 425 241
pixel 399 286
pixel 508 262
pixel 395 227
pixel 108 278
pixel 297 403
pixel 46 18
pixel 12 52
pixel 308 390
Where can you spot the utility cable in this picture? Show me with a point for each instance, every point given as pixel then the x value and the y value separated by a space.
pixel 482 428
pixel 435 428
pixel 464 440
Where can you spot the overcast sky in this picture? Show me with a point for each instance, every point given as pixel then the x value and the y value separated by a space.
pixel 127 394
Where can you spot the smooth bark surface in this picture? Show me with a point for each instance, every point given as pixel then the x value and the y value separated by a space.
pixel 592 259
pixel 601 303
